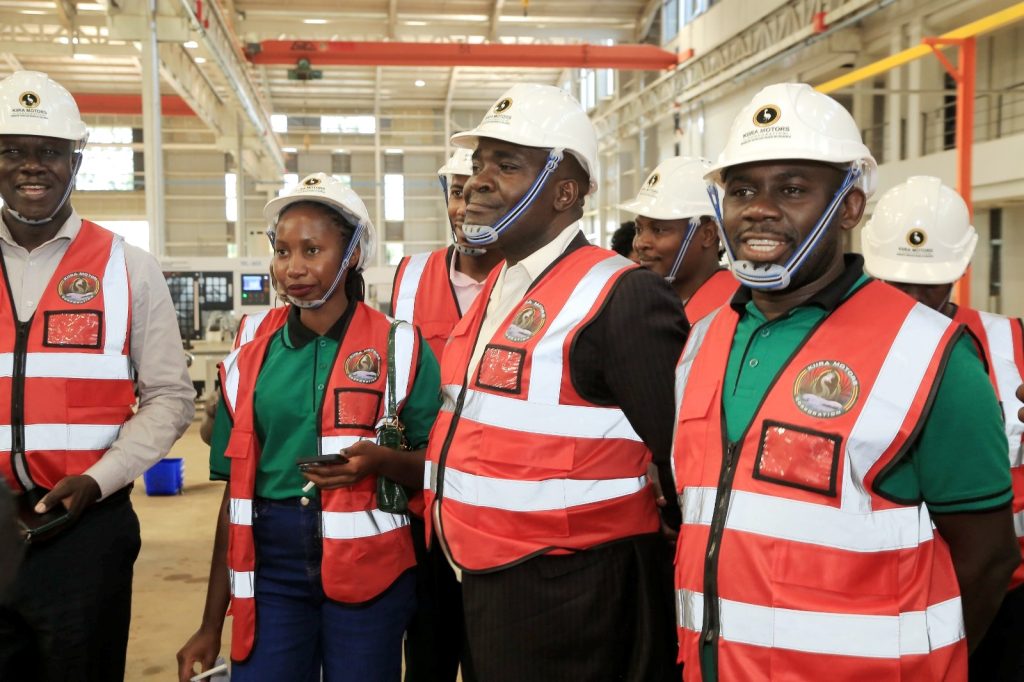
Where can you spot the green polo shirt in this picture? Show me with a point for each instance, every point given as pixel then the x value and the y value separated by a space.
pixel 289 391
pixel 951 468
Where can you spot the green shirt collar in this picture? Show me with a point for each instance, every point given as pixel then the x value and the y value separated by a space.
pixel 297 335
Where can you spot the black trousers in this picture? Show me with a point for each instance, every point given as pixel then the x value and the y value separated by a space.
pixel 1000 656
pixel 600 615
pixel 435 639
pixel 67 617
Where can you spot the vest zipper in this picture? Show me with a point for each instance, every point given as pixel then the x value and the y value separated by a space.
pixel 18 464
pixel 712 622
pixel 439 475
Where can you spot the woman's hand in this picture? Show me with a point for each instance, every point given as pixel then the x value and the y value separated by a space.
pixel 363 459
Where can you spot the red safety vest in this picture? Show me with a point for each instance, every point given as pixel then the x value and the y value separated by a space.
pixel 790 563
pixel 423 295
pixel 66 379
pixel 258 324
pixel 364 549
pixel 1000 343
pixel 519 464
pixel 715 292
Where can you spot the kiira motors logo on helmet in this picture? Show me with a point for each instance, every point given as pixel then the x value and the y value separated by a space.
pixel 767 115
pixel 29 99
pixel 503 105
pixel 916 238
pixel 310 182
pixel 652 181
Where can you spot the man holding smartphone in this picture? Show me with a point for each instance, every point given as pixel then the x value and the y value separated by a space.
pixel 86 321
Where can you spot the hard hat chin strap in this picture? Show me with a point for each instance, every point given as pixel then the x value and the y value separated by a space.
pixel 76 164
pixel 480 235
pixel 464 250
pixel 691 229
pixel 772 276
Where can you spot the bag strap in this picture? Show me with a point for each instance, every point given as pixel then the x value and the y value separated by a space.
pixel 392 405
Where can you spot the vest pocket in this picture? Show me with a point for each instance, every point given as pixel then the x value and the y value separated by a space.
pixel 357 408
pixel 797 457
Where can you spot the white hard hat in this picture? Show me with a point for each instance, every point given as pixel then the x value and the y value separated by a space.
pixel 920 233
pixel 32 103
pixel 675 189
pixel 326 189
pixel 794 121
pixel 460 163
pixel 542 116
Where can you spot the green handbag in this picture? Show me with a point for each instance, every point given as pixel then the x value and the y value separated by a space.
pixel 391 496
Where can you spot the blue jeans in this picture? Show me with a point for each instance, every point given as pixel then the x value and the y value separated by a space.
pixel 298 630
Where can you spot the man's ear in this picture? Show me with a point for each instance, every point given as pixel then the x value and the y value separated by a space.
pixel 852 209
pixel 567 194
pixel 708 233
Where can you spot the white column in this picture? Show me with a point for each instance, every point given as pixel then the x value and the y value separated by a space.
pixel 153 134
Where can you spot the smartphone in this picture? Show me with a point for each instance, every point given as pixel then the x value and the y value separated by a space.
pixel 308 462
pixel 38 527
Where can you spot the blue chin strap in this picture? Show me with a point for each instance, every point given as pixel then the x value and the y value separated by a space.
pixel 464 250
pixel 481 235
pixel 691 230
pixel 772 276
pixel 351 249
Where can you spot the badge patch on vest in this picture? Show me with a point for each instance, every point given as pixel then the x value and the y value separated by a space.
pixel 356 408
pixel 527 322
pixel 78 287
pixel 826 389
pixel 501 369
pixel 73 329
pixel 798 457
pixel 363 366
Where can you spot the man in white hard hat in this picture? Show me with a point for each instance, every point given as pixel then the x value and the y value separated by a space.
pixel 87 321
pixel 557 390
pixel 920 240
pixel 676 235
pixel 433 291
pixel 838 521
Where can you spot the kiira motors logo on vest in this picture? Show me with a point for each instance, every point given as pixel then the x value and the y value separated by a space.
pixel 363 366
pixel 527 322
pixel 826 389
pixel 78 287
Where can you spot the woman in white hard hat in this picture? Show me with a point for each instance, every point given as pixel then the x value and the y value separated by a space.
pixel 319 578
pixel 86 321
pixel 676 235
pixel 819 450
pixel 920 240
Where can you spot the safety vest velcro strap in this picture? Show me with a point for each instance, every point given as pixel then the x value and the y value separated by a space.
pixel 838 634
pixel 569 421
pixel 816 524
pixel 69 366
pixel 242 584
pixel 360 524
pixel 49 437
pixel 534 496
pixel 240 511
pixel 332 445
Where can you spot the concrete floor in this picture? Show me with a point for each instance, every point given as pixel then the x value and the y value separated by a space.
pixel 172 569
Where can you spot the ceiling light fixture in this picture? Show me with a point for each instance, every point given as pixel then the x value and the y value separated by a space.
pixel 190 44
pixel 420 83
pixel 314 21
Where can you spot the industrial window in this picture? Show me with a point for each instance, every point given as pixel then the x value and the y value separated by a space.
pixel 394 196
pixel 135 232
pixel 108 162
pixel 363 125
pixel 394 252
pixel 588 89
pixel 279 123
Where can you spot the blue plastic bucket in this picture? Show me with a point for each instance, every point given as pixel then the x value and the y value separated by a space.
pixel 166 477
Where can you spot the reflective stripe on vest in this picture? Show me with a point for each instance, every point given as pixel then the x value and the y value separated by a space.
pixel 71 437
pixel 910 633
pixel 361 524
pixel 405 303
pixel 573 421
pixel 242 584
pixel 70 366
pixel 531 496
